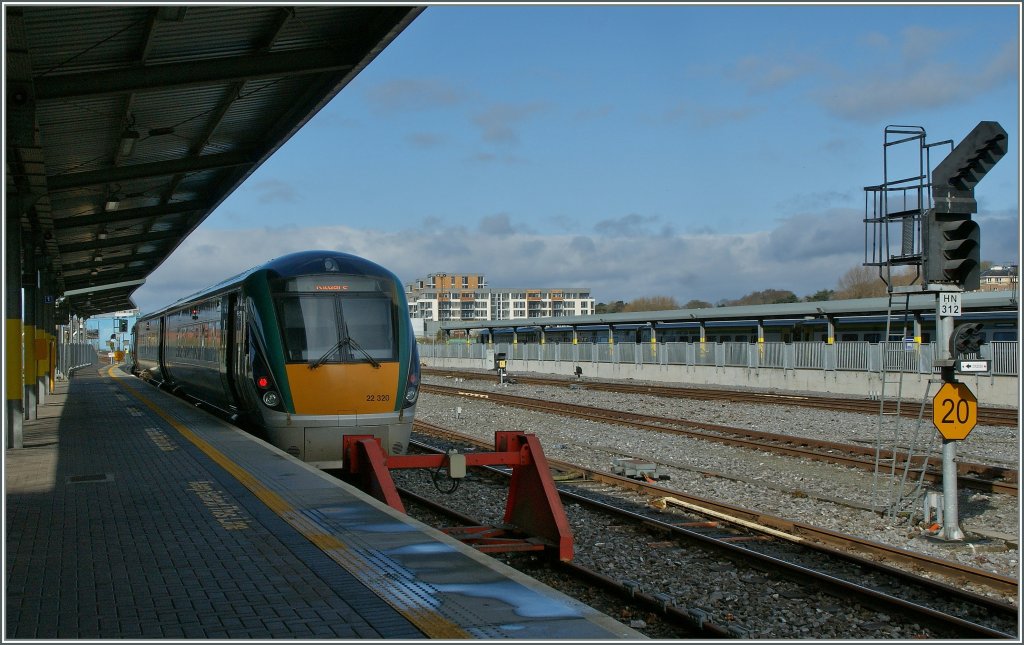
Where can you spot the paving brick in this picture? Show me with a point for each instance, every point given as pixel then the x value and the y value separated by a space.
pixel 131 551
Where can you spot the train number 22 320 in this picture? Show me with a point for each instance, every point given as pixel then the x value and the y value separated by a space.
pixel 378 397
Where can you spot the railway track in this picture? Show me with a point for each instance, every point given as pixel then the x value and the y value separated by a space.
pixel 983 477
pixel 986 415
pixel 761 539
pixel 685 624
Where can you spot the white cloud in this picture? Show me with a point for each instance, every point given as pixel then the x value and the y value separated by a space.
pixel 803 254
pixel 269 191
pixel 410 94
pixel 499 123
pixel 915 81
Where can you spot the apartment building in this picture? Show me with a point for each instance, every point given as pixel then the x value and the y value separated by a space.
pixel 1000 277
pixel 445 296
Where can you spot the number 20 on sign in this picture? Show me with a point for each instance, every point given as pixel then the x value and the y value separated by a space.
pixel 954 411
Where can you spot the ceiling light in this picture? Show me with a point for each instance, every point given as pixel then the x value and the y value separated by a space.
pixel 98 258
pixel 101 235
pixel 128 140
pixel 112 204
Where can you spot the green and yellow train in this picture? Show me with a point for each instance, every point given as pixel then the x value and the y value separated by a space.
pixel 301 350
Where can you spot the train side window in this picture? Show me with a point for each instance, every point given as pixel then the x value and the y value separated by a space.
pixel 848 337
pixel 872 337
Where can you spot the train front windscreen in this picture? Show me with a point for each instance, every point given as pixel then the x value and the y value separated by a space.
pixel 336 319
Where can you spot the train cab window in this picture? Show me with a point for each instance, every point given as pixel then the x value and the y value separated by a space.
pixel 331 329
pixel 368 323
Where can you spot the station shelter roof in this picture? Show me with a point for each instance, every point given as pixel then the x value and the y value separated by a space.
pixel 128 124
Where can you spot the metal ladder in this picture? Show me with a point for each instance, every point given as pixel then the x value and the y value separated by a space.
pixel 899 201
pixel 901 458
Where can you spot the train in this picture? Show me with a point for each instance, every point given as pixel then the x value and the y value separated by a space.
pixel 301 351
pixel 997 326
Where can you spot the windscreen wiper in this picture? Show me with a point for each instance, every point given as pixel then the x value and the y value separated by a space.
pixel 338 345
pixel 323 359
pixel 372 360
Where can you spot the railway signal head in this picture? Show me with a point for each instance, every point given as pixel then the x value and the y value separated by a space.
pixel 966 339
pixel 952 249
pixel 952 241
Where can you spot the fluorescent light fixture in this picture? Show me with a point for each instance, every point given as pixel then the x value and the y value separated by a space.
pixel 112 204
pixel 128 140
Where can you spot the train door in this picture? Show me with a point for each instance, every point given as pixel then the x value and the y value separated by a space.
pixel 162 349
pixel 236 349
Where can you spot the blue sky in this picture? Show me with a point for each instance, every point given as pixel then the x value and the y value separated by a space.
pixel 688 151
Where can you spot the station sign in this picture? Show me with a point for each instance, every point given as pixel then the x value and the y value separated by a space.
pixel 971 366
pixel 954 411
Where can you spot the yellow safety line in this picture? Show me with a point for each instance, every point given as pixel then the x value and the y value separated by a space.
pixel 428 621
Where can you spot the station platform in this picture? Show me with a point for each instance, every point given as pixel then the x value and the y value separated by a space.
pixel 131 514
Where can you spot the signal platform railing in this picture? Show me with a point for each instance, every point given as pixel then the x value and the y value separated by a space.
pixel 848 355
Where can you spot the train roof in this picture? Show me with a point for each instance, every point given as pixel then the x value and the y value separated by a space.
pixel 805 312
pixel 293 264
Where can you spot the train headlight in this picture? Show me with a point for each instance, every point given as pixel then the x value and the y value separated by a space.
pixel 271 399
pixel 412 393
pixel 412 389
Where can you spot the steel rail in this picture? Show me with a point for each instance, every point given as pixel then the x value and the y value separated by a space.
pixel 618 587
pixel 758 523
pixel 988 478
pixel 986 415
pixel 827 537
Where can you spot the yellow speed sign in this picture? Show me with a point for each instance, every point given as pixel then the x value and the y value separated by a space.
pixel 954 411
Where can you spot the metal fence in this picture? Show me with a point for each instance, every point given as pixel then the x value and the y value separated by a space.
pixel 840 356
pixel 71 356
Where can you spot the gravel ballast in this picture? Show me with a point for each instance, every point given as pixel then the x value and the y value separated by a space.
pixel 811 492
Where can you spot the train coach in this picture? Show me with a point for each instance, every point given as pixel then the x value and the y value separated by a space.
pixel 998 326
pixel 302 351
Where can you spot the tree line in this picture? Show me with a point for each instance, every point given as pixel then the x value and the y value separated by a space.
pixel 858 282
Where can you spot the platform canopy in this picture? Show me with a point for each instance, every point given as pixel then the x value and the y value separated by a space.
pixel 127 125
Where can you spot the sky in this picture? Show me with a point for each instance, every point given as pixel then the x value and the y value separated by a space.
pixel 694 152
